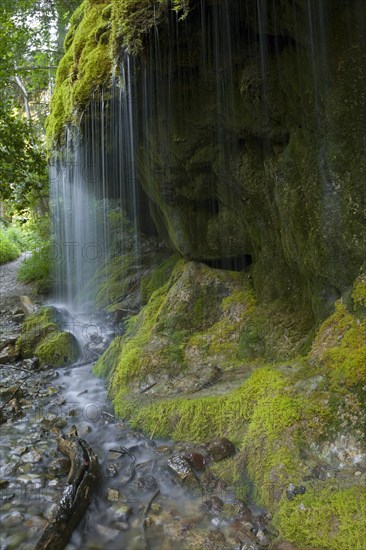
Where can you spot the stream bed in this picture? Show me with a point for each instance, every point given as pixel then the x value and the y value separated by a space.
pixel 151 493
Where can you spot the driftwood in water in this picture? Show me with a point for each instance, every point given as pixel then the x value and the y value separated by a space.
pixel 76 496
pixel 27 305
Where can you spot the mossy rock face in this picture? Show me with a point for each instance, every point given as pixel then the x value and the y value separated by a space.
pixel 187 330
pixel 283 177
pixel 259 155
pixel 43 337
pixel 288 410
pixel 98 30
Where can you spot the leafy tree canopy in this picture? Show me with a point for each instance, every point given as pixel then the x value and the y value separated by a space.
pixel 31 37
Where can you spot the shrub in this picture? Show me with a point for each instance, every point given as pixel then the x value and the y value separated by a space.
pixel 9 250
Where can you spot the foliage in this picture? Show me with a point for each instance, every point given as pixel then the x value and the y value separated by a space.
pixel 36 268
pixel 23 170
pixel 29 51
pixel 9 248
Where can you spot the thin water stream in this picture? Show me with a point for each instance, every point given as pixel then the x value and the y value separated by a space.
pixel 144 497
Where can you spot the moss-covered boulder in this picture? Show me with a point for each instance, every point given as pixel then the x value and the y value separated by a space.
pixel 43 337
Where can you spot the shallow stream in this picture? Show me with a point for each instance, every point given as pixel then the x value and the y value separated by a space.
pixel 142 500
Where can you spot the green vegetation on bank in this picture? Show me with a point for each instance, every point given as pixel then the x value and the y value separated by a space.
pixel 37 267
pixel 10 244
pixel 31 233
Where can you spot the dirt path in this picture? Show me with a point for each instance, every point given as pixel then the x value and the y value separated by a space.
pixel 10 291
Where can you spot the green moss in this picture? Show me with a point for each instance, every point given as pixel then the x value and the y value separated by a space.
pixel 257 417
pixel 108 360
pixel 157 278
pixel 347 362
pixel 107 12
pixel 133 19
pixel 42 337
pixel 86 66
pixel 97 31
pixel 340 346
pixel 133 360
pixel 359 292
pixel 275 332
pixel 57 349
pixel 204 418
pixel 276 413
pixel 114 281
pixel 329 518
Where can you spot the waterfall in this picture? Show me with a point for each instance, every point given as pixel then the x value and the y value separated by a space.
pixel 198 140
pixel 94 188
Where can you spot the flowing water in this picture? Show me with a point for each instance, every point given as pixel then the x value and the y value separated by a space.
pixel 143 135
pixel 139 501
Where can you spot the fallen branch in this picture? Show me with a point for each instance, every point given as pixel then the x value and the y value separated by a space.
pixel 76 496
pixel 148 506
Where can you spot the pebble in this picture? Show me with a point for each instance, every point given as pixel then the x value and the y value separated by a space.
pixel 180 466
pixel 5 393
pixel 32 457
pixel 59 466
pixel 31 363
pixel 53 483
pixel 112 495
pixel 147 483
pixel 8 355
pixel 293 490
pixel 215 505
pixel 163 449
pixel 111 470
pixel 358 473
pixel 221 449
pixel 35 522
